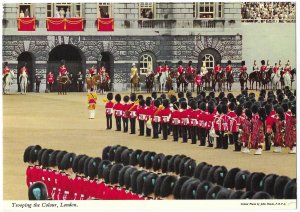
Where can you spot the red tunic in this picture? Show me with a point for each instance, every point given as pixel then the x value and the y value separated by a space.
pixel 64 187
pixel 202 119
pixel 198 80
pixel 218 122
pixel 156 118
pixel 141 114
pixel 63 70
pixel 118 107
pixel 217 69
pixel 190 70
pixel 287 69
pixel 246 131
pixel 24 69
pixel 109 108
pixel 99 190
pixel 6 70
pixel 184 115
pixel 275 69
pixel 165 115
pixel 290 132
pixel 228 69
pixel 50 78
pixel 263 68
pixel 225 120
pixel 125 108
pixel 166 69
pixel 133 110
pixel 92 71
pixel 210 117
pixel 28 176
pixel 243 69
pixel 235 123
pixel 180 70
pixel 279 129
pixel 231 119
pixel 193 118
pixel 149 110
pixel 77 187
pixel 175 118
pixel 257 137
pixel 159 70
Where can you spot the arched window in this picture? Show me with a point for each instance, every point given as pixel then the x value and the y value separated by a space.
pixel 146 63
pixel 209 61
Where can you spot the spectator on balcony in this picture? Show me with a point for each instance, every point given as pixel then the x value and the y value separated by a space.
pixel 27 13
pixel 21 14
pixel 62 12
pixel 102 14
pixel 149 14
pixel 68 14
pixel 106 15
pixel 57 15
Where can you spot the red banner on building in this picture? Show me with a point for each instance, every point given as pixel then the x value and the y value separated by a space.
pixel 26 24
pixel 105 24
pixel 64 24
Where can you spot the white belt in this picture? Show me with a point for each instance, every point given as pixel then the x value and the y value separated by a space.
pixel 194 122
pixel 175 121
pixel 156 119
pixel 142 117
pixel 185 121
pixel 119 112
pixel 132 113
pixel 109 111
pixel 166 118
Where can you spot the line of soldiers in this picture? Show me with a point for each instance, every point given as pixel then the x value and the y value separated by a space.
pixel 244 121
pixel 127 174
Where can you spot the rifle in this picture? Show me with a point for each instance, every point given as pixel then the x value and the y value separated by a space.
pixel 134 104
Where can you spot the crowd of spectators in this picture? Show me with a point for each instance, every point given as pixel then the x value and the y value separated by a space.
pixel 269 12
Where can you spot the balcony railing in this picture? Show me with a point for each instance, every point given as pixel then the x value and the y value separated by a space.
pixel 167 24
pixel 211 23
pixel 269 20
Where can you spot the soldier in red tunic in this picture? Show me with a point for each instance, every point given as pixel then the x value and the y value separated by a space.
pixel 165 115
pixel 231 118
pixel 228 68
pixel 62 69
pixel 198 81
pixel 276 68
pixel 50 80
pixel 184 121
pixel 149 110
pixel 243 69
pixel 263 67
pixel 6 70
pixel 210 117
pixel 217 69
pixel 156 119
pixel 92 71
pixel 290 131
pixel 24 68
pixel 193 121
pixel 159 70
pixel 141 116
pixel 278 129
pixel 225 126
pixel 166 68
pixel 180 69
pixel 234 124
pixel 245 131
pixel 175 121
pixel 125 116
pixel 269 123
pixel 202 122
pixel 190 69
pixel 109 111
pixel 287 68
pixel 258 128
pixel 118 112
pixel 132 112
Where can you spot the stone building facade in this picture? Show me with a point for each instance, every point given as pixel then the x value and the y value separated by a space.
pixel 175 32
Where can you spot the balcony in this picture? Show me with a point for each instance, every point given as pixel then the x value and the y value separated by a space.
pixel 208 23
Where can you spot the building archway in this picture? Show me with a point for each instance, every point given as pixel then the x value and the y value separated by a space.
pixel 107 60
pixel 210 56
pixel 74 60
pixel 29 59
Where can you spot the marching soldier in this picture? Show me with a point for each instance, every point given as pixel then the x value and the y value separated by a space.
pixel 109 106
pixel 118 112
pixel 38 80
pixel 92 100
pixel 50 80
pixel 190 69
pixel 165 118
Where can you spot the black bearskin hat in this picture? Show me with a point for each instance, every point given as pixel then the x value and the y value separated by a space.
pixel 268 183
pixel 125 156
pixel 157 161
pixel 224 194
pixel 239 110
pixel 165 162
pixel 257 182
pixel 167 186
pixel 93 167
pixel 26 155
pixel 38 191
pixel 33 155
pixel 261 195
pixel 248 113
pixel 106 173
pixel 134 158
pixel 67 161
pixel 198 169
pixel 249 181
pixel 142 158
pixel 189 167
pixel 134 177
pixel 154 95
pixel 220 174
pixel 180 62
pixel 45 158
pixel 118 154
pixel 149 183
pixel 149 158
pixel 157 103
pixel 190 63
pixel 140 181
pixel 114 173
pixel 210 175
pixel 236 194
pixel 290 190
pixel 140 97
pixel 263 62
pixel 204 172
pixel 229 62
pixel 127 177
pixel 80 169
pixel 52 159
pixel 75 163
pixel 178 186
pixel 183 189
pixel 133 97
pixel 158 185
pixel 213 192
pixel 173 99
pixel 241 180
pixel 101 167
pixel 105 153
pixel 230 177
pixel 121 177
pixel 86 166
pixel 248 195
pixel 39 156
pixel 62 62
pixel 254 108
pixel 280 183
pixel 202 189
pixel 166 103
pixel 191 190
pixel 110 96
pixel 118 97
pixel 59 158
pixel 243 63
pixel 171 163
pixel 126 99
pixel 112 152
pixel 177 162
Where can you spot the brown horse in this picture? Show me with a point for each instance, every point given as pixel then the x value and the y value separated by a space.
pixel 134 83
pixel 220 80
pixel 243 80
pixel 90 82
pixel 254 77
pixel 183 82
pixel 191 79
pixel 103 83
pixel 207 78
pixel 149 82
pixel 229 80
pixel 63 83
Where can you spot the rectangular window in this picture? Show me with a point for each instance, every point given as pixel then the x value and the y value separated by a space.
pixel 25 10
pixel 64 10
pixel 104 10
pixel 147 10
pixel 208 10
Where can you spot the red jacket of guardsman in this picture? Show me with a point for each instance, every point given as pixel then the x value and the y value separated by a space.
pixel 55 177
pixel 184 117
pixel 109 106
pixel 133 109
pixel 193 118
pixel 180 70
pixel 165 115
pixel 156 118
pixel 92 71
pixel 99 190
pixel 78 187
pixel 278 126
pixel 65 187
pixel 166 69
pixel 228 69
pixel 6 70
pixel 287 69
pixel 141 113
pixel 231 119
pixel 246 131
pixel 29 181
pixel 235 123
pixel 210 117
pixel 263 68
pixel 217 69
pixel 190 70
pixel 275 69
pixel 50 78
pixel 149 110
pixel 118 108
pixel 257 136
pixel 218 122
pixel 198 80
pixel 225 119
pixel 24 69
pixel 46 180
pixel 159 69
pixel 243 69
pixel 175 118
pixel 202 119
pixel 269 122
pixel 125 108
pixel 290 132
pixel 62 70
